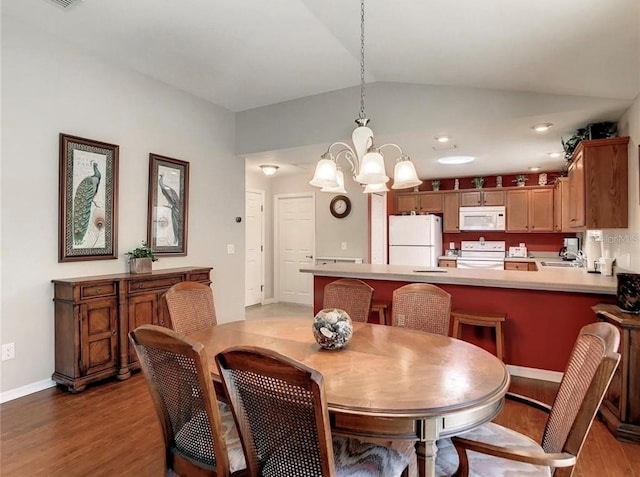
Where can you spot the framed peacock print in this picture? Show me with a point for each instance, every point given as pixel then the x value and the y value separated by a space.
pixel 168 205
pixel 88 212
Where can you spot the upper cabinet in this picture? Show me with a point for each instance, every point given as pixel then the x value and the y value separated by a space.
pixel 481 197
pixel 530 209
pixel 451 214
pixel 419 202
pixel 598 188
pixel 561 206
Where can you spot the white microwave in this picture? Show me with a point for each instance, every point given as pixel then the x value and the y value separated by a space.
pixel 482 218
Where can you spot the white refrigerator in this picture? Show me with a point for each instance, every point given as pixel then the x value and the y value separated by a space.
pixel 415 240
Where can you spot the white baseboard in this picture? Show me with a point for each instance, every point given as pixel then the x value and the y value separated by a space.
pixel 269 301
pixel 534 373
pixel 25 390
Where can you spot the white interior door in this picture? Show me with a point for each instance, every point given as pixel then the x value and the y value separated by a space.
pixel 254 240
pixel 378 239
pixel 294 247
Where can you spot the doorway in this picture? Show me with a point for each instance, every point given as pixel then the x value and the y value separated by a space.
pixel 254 243
pixel 294 238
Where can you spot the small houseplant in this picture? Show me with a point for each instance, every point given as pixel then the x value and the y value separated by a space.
pixel 478 182
pixel 140 259
pixel 520 180
pixel 435 184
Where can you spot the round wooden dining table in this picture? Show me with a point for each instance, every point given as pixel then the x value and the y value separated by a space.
pixel 388 382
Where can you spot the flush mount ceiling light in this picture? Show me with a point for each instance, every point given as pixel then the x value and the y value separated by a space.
pixel 554 154
pixel 542 127
pixel 65 4
pixel 269 169
pixel 534 169
pixel 456 160
pixel 442 138
pixel 365 159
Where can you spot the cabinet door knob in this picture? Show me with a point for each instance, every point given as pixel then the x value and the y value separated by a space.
pixel 113 332
pixel 141 285
pixel 99 290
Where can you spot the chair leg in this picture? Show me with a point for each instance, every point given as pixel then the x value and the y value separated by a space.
pixel 456 328
pixel 499 341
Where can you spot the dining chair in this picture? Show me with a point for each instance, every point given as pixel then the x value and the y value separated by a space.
pixel 190 306
pixel 199 433
pixel 281 412
pixel 421 306
pixel 493 450
pixel 351 295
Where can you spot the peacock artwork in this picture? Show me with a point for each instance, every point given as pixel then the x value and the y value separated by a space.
pixel 88 214
pixel 168 205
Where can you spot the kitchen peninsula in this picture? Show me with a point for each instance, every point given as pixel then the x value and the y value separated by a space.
pixel 545 309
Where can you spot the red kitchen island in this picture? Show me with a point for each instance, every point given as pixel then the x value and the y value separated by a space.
pixel 545 309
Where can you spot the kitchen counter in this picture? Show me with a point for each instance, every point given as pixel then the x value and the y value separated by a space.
pixel 545 309
pixel 575 280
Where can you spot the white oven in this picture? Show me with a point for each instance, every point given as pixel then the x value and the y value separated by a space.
pixel 482 255
pixel 482 218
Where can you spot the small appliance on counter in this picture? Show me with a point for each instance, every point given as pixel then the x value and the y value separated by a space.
pixel 570 248
pixel 520 252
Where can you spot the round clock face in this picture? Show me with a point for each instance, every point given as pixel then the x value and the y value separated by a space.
pixel 340 206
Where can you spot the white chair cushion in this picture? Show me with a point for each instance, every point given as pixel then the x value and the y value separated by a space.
pixel 354 458
pixel 482 465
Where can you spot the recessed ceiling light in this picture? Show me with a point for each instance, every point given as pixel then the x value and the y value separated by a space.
pixel 442 138
pixel 456 159
pixel 534 169
pixel 554 154
pixel 543 127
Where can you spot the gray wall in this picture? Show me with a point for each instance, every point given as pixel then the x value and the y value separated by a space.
pixel 49 87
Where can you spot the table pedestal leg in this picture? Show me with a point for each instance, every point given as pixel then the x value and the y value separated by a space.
pixel 426 452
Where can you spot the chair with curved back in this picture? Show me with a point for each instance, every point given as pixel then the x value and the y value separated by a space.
pixel 421 306
pixel 493 450
pixel 190 306
pixel 351 295
pixel 199 433
pixel 281 412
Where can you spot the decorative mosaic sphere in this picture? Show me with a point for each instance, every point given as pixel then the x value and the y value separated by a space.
pixel 332 328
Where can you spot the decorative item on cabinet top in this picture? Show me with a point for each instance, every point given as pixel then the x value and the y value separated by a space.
pixel 140 259
pixel 478 182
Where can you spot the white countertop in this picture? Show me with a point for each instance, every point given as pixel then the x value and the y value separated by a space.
pixel 574 280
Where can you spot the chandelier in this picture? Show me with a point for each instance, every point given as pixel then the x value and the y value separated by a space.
pixel 365 159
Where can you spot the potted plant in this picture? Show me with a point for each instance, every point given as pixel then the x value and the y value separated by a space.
pixel 520 180
pixel 435 184
pixel 140 259
pixel 478 182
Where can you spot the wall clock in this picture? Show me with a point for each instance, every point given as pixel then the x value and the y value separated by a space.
pixel 340 206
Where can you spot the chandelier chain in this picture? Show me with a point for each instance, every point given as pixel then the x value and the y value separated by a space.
pixel 362 113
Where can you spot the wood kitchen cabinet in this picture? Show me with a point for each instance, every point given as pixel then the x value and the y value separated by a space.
pixel 93 317
pixel 451 212
pixel 481 198
pixel 530 209
pixel 447 263
pixel 621 405
pixel 419 202
pixel 598 188
pixel 522 266
pixel 561 206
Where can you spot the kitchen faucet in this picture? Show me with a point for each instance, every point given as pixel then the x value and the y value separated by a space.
pixel 580 257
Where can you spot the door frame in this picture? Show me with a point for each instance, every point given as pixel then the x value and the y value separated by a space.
pixel 276 236
pixel 262 243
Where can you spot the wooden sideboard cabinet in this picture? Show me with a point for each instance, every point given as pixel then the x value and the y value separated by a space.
pixel 93 317
pixel 621 405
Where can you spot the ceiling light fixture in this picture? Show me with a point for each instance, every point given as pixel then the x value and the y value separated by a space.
pixel 456 160
pixel 555 154
pixel 269 169
pixel 442 138
pixel 365 159
pixel 534 169
pixel 543 127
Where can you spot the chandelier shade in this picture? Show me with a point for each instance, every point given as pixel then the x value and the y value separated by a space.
pixel 339 189
pixel 365 159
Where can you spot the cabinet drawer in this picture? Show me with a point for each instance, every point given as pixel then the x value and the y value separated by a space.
pixel 200 277
pixel 447 263
pixel 154 284
pixel 94 291
pixel 516 266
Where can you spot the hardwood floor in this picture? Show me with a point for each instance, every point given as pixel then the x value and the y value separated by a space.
pixel 111 430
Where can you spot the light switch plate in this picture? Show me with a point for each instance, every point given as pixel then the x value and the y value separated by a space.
pixel 231 249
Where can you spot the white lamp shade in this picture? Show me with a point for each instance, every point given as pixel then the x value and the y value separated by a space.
pixel 372 169
pixel 369 188
pixel 340 188
pixel 362 138
pixel 325 174
pixel 405 176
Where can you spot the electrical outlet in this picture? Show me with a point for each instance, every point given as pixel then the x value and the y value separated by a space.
pixel 231 249
pixel 8 351
pixel 344 245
